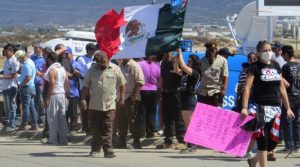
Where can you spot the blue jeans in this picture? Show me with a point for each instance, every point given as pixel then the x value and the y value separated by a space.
pixel 291 128
pixel 27 99
pixel 9 99
pixel 39 104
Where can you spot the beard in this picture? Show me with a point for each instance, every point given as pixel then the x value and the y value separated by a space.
pixel 102 66
pixel 210 57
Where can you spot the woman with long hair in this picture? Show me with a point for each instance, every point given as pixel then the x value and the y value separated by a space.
pixel 190 78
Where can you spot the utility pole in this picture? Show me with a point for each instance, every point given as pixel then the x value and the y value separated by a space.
pixel 270 28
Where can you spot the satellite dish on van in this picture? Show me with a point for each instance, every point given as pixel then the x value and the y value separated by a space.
pixel 251 28
pixel 243 21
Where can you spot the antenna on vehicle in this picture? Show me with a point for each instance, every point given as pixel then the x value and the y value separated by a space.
pixel 250 28
pixel 230 20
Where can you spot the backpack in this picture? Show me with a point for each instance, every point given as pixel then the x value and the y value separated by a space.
pixel 76 59
pixel 197 85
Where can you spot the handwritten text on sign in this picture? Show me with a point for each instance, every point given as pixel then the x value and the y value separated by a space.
pixel 218 129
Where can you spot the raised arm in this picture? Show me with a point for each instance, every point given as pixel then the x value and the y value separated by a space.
pixel 182 64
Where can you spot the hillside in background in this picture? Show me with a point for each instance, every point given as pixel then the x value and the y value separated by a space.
pixel 82 12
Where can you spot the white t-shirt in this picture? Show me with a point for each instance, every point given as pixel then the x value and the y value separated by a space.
pixel 279 60
pixel 11 66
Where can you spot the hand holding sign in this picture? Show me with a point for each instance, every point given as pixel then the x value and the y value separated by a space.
pixel 218 129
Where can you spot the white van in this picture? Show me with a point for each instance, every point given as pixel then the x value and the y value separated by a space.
pixel 76 40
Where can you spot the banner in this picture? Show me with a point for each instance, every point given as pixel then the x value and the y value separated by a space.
pixel 139 31
pixel 218 129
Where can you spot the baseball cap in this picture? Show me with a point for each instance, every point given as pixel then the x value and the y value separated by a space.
pixel 19 54
pixel 69 50
pixel 225 51
pixel 276 45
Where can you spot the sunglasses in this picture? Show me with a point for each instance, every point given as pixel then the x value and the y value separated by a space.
pixel 211 49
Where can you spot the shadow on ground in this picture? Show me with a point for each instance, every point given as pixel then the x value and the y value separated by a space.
pixel 209 158
pixel 59 154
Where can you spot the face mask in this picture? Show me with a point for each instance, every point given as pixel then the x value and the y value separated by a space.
pixel 266 56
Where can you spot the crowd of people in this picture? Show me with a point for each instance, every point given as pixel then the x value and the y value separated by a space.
pixel 106 98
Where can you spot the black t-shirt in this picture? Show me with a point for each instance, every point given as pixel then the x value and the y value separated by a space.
pixel 289 72
pixel 171 81
pixel 191 82
pixel 266 84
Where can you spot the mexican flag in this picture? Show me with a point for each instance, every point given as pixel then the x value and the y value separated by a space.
pixel 139 31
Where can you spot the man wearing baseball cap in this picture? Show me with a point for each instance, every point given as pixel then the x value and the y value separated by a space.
pixel 225 52
pixel 39 62
pixel 27 90
pixel 276 48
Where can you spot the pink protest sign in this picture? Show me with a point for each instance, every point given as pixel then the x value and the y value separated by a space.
pixel 218 129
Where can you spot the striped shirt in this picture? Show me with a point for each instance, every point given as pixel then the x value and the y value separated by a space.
pixel 242 79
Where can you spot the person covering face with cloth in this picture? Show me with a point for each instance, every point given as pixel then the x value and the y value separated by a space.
pixel 267 88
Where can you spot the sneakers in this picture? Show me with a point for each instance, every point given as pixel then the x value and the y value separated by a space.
pixel 94 154
pixel 109 155
pixel 21 128
pixel 48 142
pixel 249 155
pixel 271 157
pixel 188 150
pixel 137 144
pixel 165 146
pixel 33 128
pixel 10 129
pixel 180 146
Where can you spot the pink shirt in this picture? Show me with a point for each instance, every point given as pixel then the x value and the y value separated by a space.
pixel 151 73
